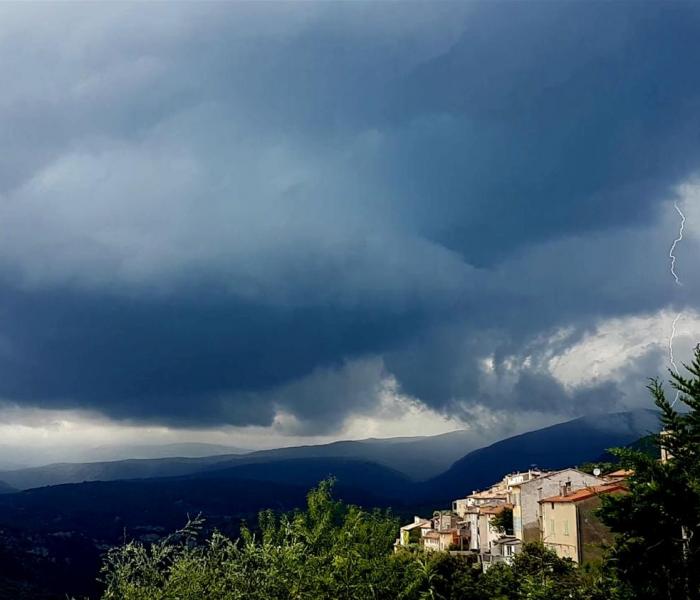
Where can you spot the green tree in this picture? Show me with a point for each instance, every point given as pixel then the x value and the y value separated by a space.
pixel 438 575
pixel 603 466
pixel 535 574
pixel 329 550
pixel 503 521
pixel 656 553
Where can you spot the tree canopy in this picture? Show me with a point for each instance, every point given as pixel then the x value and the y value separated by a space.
pixel 329 550
pixel 656 553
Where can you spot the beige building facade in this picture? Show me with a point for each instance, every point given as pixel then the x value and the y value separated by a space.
pixel 559 529
pixel 570 525
pixel 526 496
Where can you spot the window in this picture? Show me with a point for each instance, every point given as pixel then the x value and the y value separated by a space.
pixel 551 526
pixel 566 527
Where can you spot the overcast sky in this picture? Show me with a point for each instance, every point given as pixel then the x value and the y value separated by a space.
pixel 270 223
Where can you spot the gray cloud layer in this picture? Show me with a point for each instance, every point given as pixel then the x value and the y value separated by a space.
pixel 207 210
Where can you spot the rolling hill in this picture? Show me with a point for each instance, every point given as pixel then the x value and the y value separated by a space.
pixel 219 495
pixel 73 524
pixel 365 478
pixel 416 457
pixel 61 473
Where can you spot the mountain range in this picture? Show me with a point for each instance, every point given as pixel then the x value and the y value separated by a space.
pixel 442 462
pixel 418 458
pixel 74 511
pixel 13 457
pixel 555 447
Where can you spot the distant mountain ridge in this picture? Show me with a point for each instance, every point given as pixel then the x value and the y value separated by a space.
pixel 563 445
pixel 14 457
pixel 222 489
pixel 174 450
pixel 417 458
pixel 62 473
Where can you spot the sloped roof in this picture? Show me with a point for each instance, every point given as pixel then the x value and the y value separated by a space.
pixel 488 494
pixel 585 493
pixel 431 535
pixel 496 509
pixel 415 525
pixel 621 473
pixel 551 475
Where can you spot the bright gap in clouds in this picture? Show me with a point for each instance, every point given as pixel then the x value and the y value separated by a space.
pixel 608 352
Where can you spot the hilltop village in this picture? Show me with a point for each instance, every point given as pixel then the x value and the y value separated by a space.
pixel 557 508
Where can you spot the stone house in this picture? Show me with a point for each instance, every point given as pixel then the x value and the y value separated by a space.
pixel 448 539
pixel 525 498
pixel 570 526
pixel 413 532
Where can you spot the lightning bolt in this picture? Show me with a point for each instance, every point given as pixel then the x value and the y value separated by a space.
pixel 670 343
pixel 672 256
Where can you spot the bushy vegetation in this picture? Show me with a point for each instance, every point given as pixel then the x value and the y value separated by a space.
pixel 503 521
pixel 329 550
pixel 332 550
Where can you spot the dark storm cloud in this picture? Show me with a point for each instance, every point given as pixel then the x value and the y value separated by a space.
pixel 548 119
pixel 214 213
pixel 187 360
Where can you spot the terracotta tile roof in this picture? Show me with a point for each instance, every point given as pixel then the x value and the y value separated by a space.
pixel 494 510
pixel 585 493
pixel 434 535
pixel 621 473
pixel 488 494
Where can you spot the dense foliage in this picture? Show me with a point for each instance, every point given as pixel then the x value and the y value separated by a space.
pixel 657 548
pixel 503 521
pixel 329 550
